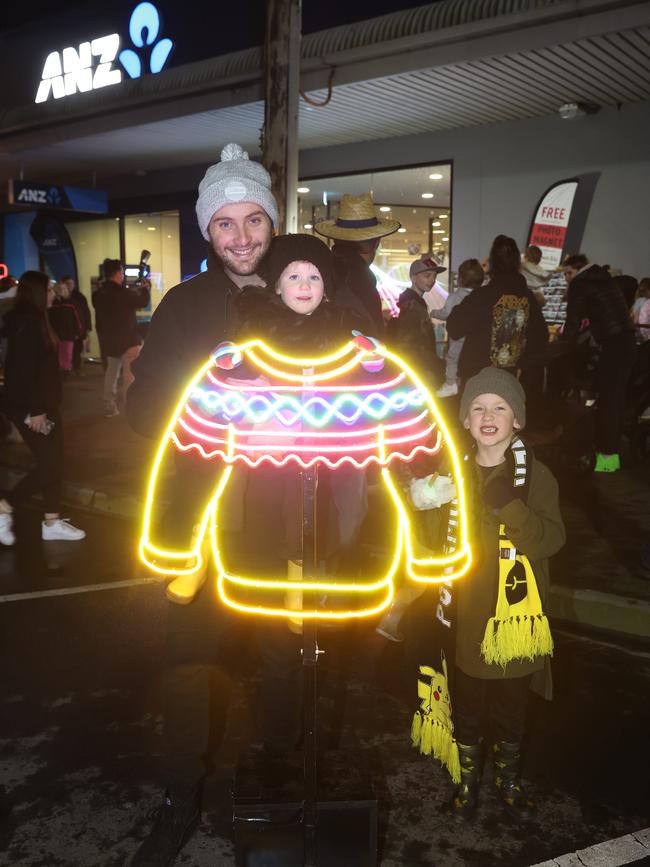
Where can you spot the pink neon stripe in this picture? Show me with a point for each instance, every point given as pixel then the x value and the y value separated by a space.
pixel 306 387
pixel 310 463
pixel 312 434
pixel 368 446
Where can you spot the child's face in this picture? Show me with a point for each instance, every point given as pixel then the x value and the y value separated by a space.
pixel 491 421
pixel 301 287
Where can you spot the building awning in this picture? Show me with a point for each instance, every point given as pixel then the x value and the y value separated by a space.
pixel 447 65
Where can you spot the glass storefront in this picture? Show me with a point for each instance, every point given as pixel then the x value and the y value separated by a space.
pixel 420 198
pixel 96 240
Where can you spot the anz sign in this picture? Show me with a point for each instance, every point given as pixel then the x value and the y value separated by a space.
pixel 100 62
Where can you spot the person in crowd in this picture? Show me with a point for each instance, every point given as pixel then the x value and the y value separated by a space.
pixel 236 213
pixel 7 297
pixel 117 329
pixel 83 312
pixel 501 640
pixel 629 286
pixel 593 295
pixel 66 324
pixel 470 277
pixel 535 275
pixel 33 399
pixel 641 309
pixel 412 333
pixel 357 233
pixel 503 324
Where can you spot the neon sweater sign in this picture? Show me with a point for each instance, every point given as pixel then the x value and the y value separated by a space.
pixel 249 405
pixel 90 65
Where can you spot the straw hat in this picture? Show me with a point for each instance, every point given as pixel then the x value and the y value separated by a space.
pixel 356 221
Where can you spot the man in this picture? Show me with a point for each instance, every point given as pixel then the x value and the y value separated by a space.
pixel 593 295
pixel 117 329
pixel 413 332
pixel 83 312
pixel 236 213
pixel 357 233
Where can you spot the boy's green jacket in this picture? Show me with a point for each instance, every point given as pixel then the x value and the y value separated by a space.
pixel 536 530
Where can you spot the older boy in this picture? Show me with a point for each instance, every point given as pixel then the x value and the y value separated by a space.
pixel 502 634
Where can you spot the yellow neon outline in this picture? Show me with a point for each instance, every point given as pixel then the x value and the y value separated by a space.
pixel 403 538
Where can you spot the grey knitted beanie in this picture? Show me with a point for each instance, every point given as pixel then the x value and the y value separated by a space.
pixel 235 179
pixel 493 380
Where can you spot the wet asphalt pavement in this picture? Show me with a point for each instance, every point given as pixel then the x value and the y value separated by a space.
pixel 80 725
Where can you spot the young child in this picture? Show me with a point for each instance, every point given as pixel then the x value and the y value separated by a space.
pixel 293 315
pixel 470 277
pixel 502 638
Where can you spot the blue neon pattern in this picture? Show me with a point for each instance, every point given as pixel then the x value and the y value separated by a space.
pixel 317 411
pixel 144 27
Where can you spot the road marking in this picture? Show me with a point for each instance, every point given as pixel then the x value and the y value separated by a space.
pixel 71 591
pixel 588 639
pixel 614 853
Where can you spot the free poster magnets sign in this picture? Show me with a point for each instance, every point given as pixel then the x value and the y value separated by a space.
pixel 58 197
pixel 551 221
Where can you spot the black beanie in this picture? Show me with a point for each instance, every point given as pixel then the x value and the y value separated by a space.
pixel 286 249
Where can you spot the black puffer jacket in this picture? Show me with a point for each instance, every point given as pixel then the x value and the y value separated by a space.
pixel 32 381
pixel 356 288
pixel 594 296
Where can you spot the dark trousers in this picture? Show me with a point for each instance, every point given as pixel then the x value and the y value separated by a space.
pixel 614 368
pixel 76 353
pixel 46 477
pixel 489 708
pixel 195 633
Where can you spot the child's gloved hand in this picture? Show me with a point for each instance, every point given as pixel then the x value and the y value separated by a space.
pixel 499 493
pixel 432 491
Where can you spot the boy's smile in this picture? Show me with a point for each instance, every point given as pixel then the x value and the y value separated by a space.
pixel 491 422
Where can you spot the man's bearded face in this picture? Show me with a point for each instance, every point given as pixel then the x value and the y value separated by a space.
pixel 240 235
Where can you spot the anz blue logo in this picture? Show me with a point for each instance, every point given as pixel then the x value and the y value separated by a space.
pixel 92 64
pixel 54 196
pixel 144 27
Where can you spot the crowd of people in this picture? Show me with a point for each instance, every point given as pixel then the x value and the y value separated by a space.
pixel 305 299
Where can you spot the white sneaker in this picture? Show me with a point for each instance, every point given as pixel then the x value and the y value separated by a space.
pixel 61 529
pixel 447 390
pixel 6 529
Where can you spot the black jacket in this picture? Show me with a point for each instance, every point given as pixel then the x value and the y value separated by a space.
pixel 261 313
pixel 356 288
pixel 83 311
pixel 32 380
pixel 191 320
pixel 117 324
pixel 64 319
pixel 412 335
pixel 594 296
pixel 503 326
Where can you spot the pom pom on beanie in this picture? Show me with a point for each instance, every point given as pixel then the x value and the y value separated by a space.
pixel 235 179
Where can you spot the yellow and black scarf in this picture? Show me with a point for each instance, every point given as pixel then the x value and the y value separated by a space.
pixel 518 630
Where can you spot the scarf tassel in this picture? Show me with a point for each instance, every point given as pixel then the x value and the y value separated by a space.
pixel 432 738
pixel 521 637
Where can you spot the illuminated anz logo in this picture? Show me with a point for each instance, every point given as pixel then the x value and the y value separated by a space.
pixel 90 65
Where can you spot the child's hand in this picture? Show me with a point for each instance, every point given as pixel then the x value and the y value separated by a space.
pixel 432 491
pixel 499 493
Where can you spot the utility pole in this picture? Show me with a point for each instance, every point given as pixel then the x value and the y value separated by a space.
pixel 280 143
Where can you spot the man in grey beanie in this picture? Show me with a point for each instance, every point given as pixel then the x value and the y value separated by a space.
pixel 236 214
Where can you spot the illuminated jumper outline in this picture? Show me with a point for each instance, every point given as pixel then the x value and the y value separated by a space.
pixel 359 406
